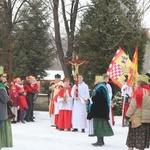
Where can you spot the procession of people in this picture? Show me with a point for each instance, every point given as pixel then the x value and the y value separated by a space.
pixel 77 107
pixel 73 108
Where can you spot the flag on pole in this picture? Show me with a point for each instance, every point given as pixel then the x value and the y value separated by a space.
pixel 133 72
pixel 119 67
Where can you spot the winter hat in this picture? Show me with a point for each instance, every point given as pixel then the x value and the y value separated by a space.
pixel 57 76
pixel 143 78
pixel 98 79
pixel 1 70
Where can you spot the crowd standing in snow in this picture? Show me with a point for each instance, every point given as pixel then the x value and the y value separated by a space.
pixel 16 105
pixel 71 107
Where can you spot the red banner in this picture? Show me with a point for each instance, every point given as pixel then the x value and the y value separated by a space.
pixel 119 67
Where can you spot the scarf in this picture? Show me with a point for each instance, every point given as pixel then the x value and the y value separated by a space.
pixel 138 94
pixel 102 86
pixel 2 86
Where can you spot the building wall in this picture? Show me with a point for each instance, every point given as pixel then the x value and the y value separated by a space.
pixel 42 103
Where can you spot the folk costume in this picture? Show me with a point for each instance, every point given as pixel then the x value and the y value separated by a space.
pixel 65 102
pixel 100 111
pixel 5 128
pixel 139 137
pixel 79 113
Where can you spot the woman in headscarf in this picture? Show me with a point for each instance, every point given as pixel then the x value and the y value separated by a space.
pixel 139 137
pixel 100 110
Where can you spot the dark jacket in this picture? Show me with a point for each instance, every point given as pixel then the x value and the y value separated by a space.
pixel 4 98
pixel 100 106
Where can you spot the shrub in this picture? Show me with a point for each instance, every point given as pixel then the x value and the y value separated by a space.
pixel 117 104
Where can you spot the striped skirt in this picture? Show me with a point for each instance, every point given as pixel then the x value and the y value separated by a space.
pixel 139 138
pixel 102 127
pixel 6 134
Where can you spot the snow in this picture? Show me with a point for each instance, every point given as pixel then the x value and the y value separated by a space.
pixel 39 135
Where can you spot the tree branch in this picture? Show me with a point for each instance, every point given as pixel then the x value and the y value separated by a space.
pixel 65 18
pixel 15 17
pixel 13 4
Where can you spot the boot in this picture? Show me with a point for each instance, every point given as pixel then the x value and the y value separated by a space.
pixel 103 140
pixel 95 144
pixel 99 142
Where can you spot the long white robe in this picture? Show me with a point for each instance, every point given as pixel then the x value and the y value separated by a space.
pixel 110 96
pixel 79 113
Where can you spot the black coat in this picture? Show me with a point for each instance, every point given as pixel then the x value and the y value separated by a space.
pixel 99 108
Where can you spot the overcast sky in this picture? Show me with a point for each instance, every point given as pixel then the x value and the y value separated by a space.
pixel 142 4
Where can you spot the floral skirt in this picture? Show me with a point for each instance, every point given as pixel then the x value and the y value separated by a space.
pixel 139 137
pixel 6 134
pixel 102 127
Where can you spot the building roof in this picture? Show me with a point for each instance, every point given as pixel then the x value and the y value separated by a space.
pixel 51 74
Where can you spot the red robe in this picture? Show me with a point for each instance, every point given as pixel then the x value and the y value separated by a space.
pixel 65 109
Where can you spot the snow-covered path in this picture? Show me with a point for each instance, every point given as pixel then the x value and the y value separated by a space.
pixel 39 135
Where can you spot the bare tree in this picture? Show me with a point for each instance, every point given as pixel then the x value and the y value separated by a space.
pixel 10 16
pixel 69 25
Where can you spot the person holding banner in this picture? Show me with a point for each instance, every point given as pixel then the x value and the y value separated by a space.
pixel 126 92
pixel 138 115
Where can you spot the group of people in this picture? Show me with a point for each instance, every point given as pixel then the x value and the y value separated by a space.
pixel 71 106
pixel 23 94
pixel 68 107
pixel 16 104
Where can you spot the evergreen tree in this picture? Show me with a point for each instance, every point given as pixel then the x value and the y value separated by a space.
pixel 106 25
pixel 32 52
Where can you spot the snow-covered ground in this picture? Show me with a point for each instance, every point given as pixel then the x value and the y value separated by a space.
pixel 39 135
